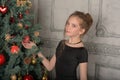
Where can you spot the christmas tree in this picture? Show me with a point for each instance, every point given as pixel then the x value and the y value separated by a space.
pixel 16 26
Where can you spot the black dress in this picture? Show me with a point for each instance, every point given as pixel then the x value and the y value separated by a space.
pixel 68 60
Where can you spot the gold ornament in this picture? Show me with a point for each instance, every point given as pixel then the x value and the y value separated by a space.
pixel 29 4
pixel 36 33
pixel 33 61
pixel 18 2
pixel 7 37
pixel 20 25
pixel 21 2
pixel 13 77
pixel 45 77
pixel 19 77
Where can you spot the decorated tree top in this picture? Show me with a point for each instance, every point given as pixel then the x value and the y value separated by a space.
pixel 16 26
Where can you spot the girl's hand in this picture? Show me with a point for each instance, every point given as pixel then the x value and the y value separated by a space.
pixel 28 45
pixel 40 54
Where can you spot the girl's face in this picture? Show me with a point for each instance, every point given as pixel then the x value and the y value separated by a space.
pixel 73 28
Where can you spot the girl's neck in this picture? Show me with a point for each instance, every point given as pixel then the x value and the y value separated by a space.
pixel 74 40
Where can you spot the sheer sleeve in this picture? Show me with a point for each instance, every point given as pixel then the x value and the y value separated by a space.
pixel 59 48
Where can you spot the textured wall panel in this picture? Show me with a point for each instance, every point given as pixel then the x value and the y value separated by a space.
pixel 107 73
pixel 108 18
pixel 61 9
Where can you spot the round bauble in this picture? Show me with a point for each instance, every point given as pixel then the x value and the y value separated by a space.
pixel 26 39
pixel 2 59
pixel 28 77
pixel 14 49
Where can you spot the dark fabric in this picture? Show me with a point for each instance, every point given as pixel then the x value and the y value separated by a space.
pixel 68 60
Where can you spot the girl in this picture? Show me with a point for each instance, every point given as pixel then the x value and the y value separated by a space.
pixel 71 52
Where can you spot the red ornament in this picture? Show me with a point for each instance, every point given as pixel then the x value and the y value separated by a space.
pixel 26 39
pixel 28 77
pixel 3 9
pixel 14 49
pixel 20 15
pixel 27 11
pixel 2 59
pixel 26 26
pixel 12 20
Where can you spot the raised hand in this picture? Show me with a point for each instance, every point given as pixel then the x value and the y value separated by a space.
pixel 28 45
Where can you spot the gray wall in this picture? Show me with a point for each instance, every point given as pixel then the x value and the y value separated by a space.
pixel 102 40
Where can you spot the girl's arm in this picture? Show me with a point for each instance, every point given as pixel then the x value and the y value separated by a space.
pixel 48 64
pixel 83 71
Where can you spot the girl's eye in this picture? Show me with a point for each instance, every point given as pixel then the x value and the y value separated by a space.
pixel 73 25
pixel 68 23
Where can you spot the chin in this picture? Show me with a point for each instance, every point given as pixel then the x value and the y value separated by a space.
pixel 68 35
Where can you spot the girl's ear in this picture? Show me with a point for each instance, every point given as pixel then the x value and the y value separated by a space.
pixel 82 31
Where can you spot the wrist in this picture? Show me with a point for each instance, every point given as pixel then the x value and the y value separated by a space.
pixel 40 55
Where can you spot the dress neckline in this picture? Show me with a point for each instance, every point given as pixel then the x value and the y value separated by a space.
pixel 74 47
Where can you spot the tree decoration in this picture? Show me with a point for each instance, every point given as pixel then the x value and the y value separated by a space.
pixel 37 33
pixel 2 59
pixel 24 2
pixel 45 75
pixel 18 3
pixel 27 60
pixel 44 78
pixel 16 27
pixel 20 25
pixel 7 37
pixel 13 77
pixel 20 15
pixel 26 39
pixel 14 49
pixel 12 20
pixel 26 26
pixel 21 2
pixel 29 4
pixel 28 77
pixel 34 60
pixel 19 77
pixel 27 11
pixel 3 9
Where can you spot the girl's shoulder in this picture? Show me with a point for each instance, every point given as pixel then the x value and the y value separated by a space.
pixel 61 42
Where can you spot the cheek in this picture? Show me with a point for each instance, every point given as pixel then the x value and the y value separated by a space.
pixel 66 27
pixel 76 32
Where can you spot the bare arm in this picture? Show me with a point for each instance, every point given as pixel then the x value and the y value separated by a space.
pixel 48 64
pixel 83 71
